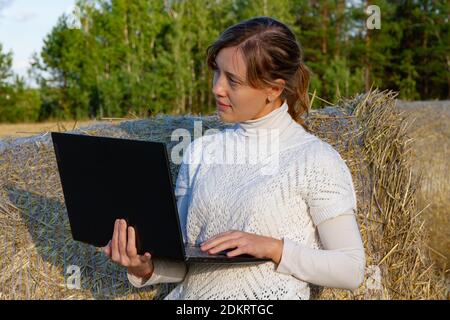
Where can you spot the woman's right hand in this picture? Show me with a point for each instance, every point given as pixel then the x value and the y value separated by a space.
pixel 122 250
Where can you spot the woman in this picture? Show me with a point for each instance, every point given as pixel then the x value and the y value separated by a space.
pixel 301 217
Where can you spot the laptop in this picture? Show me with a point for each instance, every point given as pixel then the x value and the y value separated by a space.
pixel 105 178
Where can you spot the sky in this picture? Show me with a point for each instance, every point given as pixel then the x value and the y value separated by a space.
pixel 24 25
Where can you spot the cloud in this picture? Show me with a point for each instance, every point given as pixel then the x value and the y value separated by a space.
pixel 14 14
pixel 5 3
pixel 24 16
pixel 21 64
pixel 19 16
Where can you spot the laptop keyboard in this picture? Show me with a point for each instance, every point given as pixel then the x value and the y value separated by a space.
pixel 195 251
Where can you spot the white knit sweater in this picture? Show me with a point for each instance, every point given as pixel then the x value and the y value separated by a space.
pixel 300 191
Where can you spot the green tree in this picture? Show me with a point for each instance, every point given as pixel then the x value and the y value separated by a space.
pixel 5 66
pixel 148 56
pixel 17 103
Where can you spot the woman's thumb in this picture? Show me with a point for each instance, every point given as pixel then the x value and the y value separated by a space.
pixel 146 257
pixel 107 249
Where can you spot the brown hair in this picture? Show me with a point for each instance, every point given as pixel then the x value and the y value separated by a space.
pixel 270 51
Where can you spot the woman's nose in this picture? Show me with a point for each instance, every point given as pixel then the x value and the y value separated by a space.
pixel 218 88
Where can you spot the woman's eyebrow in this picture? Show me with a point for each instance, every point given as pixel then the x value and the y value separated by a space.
pixel 230 75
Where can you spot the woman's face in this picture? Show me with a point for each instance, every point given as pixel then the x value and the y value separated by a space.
pixel 229 87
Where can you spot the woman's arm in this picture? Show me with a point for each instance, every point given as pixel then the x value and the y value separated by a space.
pixel 330 194
pixel 165 270
pixel 340 265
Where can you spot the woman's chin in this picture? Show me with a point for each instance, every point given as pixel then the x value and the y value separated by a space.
pixel 224 117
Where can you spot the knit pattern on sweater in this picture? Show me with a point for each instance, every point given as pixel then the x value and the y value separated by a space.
pixel 312 183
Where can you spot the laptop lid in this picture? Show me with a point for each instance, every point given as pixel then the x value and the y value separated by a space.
pixel 106 178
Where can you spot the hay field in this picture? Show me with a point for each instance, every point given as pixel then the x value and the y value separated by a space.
pixel 430 130
pixel 18 130
pixel 368 130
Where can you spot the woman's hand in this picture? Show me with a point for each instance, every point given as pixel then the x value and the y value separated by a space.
pixel 245 243
pixel 122 250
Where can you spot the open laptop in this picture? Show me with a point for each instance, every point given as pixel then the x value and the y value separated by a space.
pixel 104 179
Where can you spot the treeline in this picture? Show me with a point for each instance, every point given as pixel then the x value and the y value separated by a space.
pixel 148 56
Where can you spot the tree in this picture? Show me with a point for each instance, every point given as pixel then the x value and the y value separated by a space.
pixel 5 66
pixel 17 103
pixel 148 56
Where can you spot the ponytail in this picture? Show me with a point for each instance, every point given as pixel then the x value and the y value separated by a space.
pixel 298 99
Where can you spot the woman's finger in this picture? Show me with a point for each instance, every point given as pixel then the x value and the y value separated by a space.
pixel 115 256
pixel 238 251
pixel 123 239
pixel 216 237
pixel 229 244
pixel 215 242
pixel 131 243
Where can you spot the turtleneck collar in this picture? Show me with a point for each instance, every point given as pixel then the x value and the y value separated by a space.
pixel 278 118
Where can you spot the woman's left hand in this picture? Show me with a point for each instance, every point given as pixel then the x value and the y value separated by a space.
pixel 245 243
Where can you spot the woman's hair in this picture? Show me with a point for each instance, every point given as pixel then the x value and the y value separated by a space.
pixel 270 51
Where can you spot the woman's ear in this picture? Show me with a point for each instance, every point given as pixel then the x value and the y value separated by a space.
pixel 275 91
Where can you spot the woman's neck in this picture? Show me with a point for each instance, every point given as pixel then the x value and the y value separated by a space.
pixel 278 118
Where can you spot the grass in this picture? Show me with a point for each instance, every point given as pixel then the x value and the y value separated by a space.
pixel 17 130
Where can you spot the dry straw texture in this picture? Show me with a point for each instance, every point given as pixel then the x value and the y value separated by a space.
pixel 36 248
pixel 431 132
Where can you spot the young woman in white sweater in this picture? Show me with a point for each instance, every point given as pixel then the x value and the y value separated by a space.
pixel 298 211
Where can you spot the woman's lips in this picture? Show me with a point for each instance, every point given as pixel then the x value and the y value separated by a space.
pixel 223 107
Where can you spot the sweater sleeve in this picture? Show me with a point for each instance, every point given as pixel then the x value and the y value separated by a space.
pixel 340 265
pixel 165 271
pixel 331 199
pixel 329 189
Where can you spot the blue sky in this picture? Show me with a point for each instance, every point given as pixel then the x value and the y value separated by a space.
pixel 24 25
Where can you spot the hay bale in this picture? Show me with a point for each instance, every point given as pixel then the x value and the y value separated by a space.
pixel 36 248
pixel 377 149
pixel 431 147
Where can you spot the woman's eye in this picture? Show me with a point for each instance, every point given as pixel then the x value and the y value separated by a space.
pixel 231 81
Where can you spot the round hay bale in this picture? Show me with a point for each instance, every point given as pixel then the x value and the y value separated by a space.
pixel 371 135
pixel 430 131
